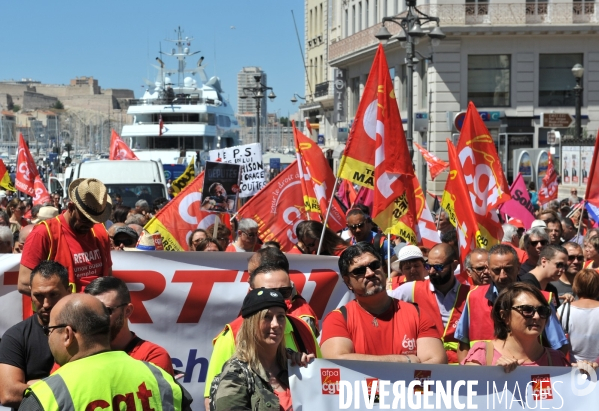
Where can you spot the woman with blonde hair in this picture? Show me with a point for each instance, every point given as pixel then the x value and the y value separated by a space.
pixel 256 377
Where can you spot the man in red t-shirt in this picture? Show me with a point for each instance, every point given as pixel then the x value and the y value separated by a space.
pixel 114 294
pixel 374 326
pixel 77 238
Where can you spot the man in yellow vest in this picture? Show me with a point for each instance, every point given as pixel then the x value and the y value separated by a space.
pixel 91 376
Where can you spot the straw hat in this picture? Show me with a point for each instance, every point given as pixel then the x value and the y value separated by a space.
pixel 91 198
pixel 45 213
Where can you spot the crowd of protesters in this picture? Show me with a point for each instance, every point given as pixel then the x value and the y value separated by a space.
pixel 531 300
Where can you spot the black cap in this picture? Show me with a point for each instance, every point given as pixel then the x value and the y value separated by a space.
pixel 260 298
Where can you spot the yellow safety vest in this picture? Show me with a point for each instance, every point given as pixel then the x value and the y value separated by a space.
pixel 110 380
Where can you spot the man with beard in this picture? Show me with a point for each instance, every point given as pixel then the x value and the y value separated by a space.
pixel 25 356
pixel 575 263
pixel 114 294
pixel 375 326
pixel 476 323
pixel 440 296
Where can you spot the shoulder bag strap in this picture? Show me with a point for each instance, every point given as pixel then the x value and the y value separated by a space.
pixel 489 351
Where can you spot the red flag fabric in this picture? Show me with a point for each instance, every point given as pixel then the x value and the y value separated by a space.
pixel 5 181
pixel 119 150
pixel 309 127
pixel 41 196
pixel 483 174
pixel 548 190
pixel 427 234
pixel 519 205
pixel 182 215
pixel 592 193
pixel 435 165
pixel 459 212
pixel 278 208
pixel 160 126
pixel 394 208
pixel 317 180
pixel 26 169
pixel 346 193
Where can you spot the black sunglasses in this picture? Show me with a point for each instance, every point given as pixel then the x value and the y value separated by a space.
pixel 48 329
pixel 112 309
pixel 479 270
pixel 576 257
pixel 361 271
pixel 535 243
pixel 438 267
pixel 354 226
pixel 528 311
pixel 285 291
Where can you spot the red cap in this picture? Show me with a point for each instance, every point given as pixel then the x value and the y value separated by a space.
pixel 516 223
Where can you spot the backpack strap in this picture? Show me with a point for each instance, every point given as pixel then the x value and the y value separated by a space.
pixel 343 312
pixel 489 352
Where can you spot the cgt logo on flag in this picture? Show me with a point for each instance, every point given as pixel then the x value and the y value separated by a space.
pixel 541 387
pixel 369 382
pixel 330 378
pixel 422 375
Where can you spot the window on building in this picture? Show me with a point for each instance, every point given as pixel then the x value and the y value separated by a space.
pixel 355 94
pixel 403 78
pixel 367 16
pixel 477 7
pixel 320 21
pixel 360 16
pixel 489 80
pixel 346 28
pixel 556 82
pixel 310 24
pixel 423 75
pixel 581 7
pixel 536 7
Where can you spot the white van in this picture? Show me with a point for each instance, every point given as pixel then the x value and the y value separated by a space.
pixel 133 180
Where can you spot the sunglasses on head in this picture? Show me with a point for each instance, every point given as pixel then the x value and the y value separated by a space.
pixel 535 243
pixel 528 311
pixel 361 271
pixel 576 257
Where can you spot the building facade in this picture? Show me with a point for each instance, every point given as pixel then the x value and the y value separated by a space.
pixel 246 107
pixel 512 59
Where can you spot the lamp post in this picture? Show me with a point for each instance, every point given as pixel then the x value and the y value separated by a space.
pixel 578 72
pixel 409 35
pixel 257 93
pixel 295 97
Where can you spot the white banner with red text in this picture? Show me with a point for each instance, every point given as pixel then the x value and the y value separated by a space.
pixel 183 299
pixel 360 385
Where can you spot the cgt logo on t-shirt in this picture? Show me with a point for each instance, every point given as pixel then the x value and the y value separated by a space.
pixel 408 344
pixel 330 378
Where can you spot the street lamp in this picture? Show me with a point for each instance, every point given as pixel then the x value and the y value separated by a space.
pixel 409 35
pixel 295 97
pixel 578 72
pixel 257 93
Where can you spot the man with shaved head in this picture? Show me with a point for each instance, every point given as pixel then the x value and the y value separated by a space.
pixel 440 296
pixel 79 335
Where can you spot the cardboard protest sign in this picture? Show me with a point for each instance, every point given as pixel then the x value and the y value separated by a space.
pixel 221 187
pixel 249 156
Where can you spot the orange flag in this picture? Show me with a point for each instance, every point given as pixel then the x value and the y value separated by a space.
pixel 5 181
pixel 427 233
pixel 278 208
pixel 435 165
pixel 41 194
pixel 177 220
pixel 119 150
pixel 483 174
pixel 548 190
pixel 317 180
pixel 26 169
pixel 459 212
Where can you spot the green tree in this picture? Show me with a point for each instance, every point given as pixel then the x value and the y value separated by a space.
pixel 58 105
pixel 284 121
pixel 16 108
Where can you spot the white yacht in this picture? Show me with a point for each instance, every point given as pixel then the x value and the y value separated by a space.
pixel 180 114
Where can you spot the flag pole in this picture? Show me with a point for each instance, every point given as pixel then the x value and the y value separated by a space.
pixel 326 217
pixel 580 218
pixel 388 256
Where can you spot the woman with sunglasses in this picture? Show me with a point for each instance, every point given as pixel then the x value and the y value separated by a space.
pixel 332 244
pixel 580 319
pixel 519 316
pixel 15 210
pixel 256 377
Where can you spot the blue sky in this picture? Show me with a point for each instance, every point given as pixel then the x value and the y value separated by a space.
pixel 116 41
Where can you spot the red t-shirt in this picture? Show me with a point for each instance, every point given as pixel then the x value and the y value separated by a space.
pixel 87 258
pixel 398 328
pixel 147 351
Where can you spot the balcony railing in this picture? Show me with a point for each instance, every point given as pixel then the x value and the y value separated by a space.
pixel 321 89
pixel 487 14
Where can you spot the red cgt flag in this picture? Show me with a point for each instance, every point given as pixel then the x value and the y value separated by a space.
pixel 592 193
pixel 435 165
pixel 548 190
pixel 427 234
pixel 277 208
pixel 317 180
pixel 119 150
pixel 41 196
pixel 483 174
pixel 26 169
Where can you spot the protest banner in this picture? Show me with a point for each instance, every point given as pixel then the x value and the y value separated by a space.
pixel 360 385
pixel 183 300
pixel 221 187
pixel 252 169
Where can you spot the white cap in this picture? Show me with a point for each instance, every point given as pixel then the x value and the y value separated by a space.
pixel 409 252
pixel 538 223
